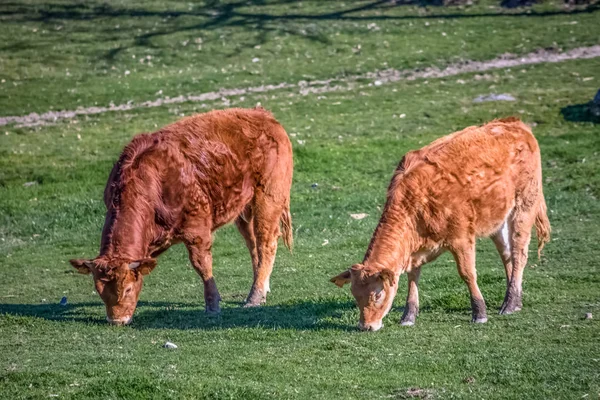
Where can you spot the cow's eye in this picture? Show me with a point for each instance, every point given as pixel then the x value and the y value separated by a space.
pixel 127 291
pixel 379 296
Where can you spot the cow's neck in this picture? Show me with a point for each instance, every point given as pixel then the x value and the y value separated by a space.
pixel 128 231
pixel 395 238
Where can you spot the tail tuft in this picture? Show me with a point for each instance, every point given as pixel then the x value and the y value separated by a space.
pixel 542 226
pixel 286 228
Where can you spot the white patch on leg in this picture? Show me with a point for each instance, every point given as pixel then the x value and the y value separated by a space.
pixel 268 285
pixel 505 238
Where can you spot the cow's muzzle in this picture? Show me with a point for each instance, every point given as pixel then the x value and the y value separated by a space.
pixel 372 327
pixel 119 321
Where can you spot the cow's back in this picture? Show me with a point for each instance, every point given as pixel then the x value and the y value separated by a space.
pixel 472 178
pixel 206 166
pixel 226 154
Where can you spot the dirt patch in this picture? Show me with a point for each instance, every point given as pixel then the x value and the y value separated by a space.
pixel 321 86
pixel 413 393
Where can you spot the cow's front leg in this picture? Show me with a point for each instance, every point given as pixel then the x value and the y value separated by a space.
pixel 201 257
pixel 411 310
pixel 464 254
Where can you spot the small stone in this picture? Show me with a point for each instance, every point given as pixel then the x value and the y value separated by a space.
pixel 588 315
pixel 255 59
pixel 359 216
pixel 169 345
pixel 494 97
pixel 314 185
pixel 27 184
pixel 378 83
pixel 63 301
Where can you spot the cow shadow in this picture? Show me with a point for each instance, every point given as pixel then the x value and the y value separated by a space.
pixel 303 315
pixel 77 312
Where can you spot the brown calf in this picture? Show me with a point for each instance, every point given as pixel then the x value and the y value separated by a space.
pixel 182 183
pixel 482 181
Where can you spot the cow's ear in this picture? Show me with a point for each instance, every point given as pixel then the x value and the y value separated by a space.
pixel 143 266
pixel 83 266
pixel 341 279
pixel 388 277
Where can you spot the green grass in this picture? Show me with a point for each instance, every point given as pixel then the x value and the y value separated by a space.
pixel 303 343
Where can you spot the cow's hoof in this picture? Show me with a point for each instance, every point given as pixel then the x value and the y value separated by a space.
pixel 509 308
pixel 212 310
pixel 255 299
pixel 407 323
pixel 253 304
pixel 479 320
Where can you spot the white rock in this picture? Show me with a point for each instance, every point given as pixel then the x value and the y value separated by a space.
pixel 494 97
pixel 359 216
pixel 169 345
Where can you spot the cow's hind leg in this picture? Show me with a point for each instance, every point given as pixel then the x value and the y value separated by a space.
pixel 464 254
pixel 267 213
pixel 411 310
pixel 199 248
pixel 520 235
pixel 502 241
pixel 245 225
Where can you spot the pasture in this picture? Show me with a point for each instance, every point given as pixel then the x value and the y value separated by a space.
pixel 313 64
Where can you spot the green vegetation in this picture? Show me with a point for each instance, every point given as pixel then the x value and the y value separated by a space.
pixel 303 343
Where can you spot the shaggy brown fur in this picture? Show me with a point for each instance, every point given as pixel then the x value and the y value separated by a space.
pixel 182 183
pixel 482 181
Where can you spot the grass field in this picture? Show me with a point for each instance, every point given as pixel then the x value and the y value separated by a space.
pixel 304 343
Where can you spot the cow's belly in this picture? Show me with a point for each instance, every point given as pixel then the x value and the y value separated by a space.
pixel 232 201
pixel 494 208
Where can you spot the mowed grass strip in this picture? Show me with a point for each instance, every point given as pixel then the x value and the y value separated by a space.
pixel 303 343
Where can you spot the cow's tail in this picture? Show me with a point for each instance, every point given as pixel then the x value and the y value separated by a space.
pixel 542 226
pixel 286 226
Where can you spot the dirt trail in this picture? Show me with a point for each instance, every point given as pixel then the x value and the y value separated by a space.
pixel 322 86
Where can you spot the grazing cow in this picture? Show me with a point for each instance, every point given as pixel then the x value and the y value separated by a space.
pixel 182 183
pixel 481 181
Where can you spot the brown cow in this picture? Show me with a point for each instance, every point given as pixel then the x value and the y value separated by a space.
pixel 481 181
pixel 182 183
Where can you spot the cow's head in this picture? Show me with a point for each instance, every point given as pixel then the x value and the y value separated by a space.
pixel 118 283
pixel 374 290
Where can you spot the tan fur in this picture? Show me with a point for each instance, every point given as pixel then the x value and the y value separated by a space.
pixel 182 183
pixel 441 198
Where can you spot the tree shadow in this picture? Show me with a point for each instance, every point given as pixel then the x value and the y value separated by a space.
pixel 303 315
pixel 585 112
pixel 257 17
